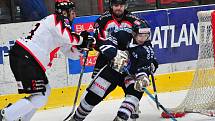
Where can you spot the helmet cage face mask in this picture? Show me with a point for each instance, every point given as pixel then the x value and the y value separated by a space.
pixel 141 34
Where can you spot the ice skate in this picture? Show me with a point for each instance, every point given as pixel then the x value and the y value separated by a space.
pixel 72 119
pixel 75 118
pixel 117 118
pixel 135 114
pixel 1 115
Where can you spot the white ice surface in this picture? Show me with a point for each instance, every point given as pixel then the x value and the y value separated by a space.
pixel 106 110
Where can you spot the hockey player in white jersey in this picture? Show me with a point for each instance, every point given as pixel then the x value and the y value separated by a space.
pixel 32 55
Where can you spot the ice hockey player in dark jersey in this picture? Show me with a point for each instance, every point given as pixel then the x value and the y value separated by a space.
pixel 117 18
pixel 124 48
pixel 141 61
pixel 141 52
pixel 109 76
pixel 32 55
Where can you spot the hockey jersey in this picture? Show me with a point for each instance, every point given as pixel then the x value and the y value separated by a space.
pixel 51 34
pixel 141 57
pixel 105 25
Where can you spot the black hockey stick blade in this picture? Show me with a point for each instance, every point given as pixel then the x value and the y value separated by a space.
pixel 78 88
pixel 161 106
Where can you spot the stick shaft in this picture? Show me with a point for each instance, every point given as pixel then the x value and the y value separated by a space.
pixel 78 88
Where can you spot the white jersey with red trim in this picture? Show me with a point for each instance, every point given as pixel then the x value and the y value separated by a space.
pixel 51 34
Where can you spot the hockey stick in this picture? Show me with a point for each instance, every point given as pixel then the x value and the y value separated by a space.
pixel 161 106
pixel 154 89
pixel 79 85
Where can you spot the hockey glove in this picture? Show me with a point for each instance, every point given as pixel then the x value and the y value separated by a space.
pixel 120 61
pixel 141 82
pixel 88 41
pixel 154 66
pixel 85 34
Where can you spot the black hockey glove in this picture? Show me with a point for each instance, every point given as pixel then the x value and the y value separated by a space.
pixel 85 34
pixel 88 41
pixel 154 65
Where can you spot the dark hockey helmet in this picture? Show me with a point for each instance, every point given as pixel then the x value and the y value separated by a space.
pixel 123 38
pixel 141 29
pixel 123 2
pixel 63 5
pixel 144 30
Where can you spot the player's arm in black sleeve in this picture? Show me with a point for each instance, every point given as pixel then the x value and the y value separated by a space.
pixel 108 49
pixel 99 33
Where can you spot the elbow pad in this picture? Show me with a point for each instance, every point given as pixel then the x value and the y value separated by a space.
pixel 108 50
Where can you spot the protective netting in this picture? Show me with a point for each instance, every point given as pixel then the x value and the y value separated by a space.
pixel 201 95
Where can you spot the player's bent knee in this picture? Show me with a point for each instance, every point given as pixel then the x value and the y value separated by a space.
pixel 132 91
pixel 99 87
pixel 40 99
pixel 92 98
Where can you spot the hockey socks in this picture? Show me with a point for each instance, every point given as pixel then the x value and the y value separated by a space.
pixel 128 106
pixel 82 111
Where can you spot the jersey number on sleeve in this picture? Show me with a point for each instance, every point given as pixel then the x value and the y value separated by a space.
pixel 32 31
